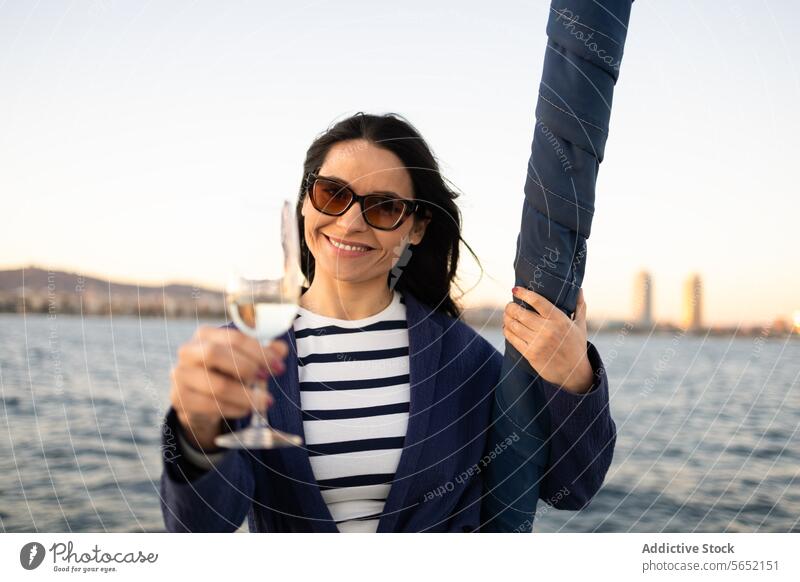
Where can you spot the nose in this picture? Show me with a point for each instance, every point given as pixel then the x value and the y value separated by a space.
pixel 353 219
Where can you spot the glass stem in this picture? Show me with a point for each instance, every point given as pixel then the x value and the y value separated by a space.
pixel 259 418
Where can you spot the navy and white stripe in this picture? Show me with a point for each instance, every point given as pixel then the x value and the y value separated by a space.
pixel 354 394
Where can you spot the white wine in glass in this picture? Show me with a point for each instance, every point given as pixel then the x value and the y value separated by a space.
pixel 265 308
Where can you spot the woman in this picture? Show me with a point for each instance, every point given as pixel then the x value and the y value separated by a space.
pixel 391 391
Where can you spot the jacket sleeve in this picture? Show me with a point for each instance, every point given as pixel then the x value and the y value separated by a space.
pixel 585 41
pixel 203 500
pixel 582 438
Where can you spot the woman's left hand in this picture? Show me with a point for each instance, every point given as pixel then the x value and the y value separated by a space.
pixel 553 344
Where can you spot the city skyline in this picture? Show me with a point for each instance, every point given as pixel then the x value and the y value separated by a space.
pixel 643 313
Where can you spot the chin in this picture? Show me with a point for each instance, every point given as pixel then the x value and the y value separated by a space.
pixel 350 275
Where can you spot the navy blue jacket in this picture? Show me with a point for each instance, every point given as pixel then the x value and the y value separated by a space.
pixel 439 482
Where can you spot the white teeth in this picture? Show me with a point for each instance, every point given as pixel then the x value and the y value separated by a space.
pixel 346 247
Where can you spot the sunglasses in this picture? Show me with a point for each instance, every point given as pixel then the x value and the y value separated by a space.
pixel 381 211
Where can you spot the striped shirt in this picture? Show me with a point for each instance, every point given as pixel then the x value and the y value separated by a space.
pixel 354 394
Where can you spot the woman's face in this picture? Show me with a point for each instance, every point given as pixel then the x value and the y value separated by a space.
pixel 365 168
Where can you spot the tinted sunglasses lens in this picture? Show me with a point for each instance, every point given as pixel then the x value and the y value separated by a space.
pixel 329 197
pixel 383 211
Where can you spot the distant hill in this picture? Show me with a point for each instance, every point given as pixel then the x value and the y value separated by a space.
pixel 40 290
pixel 36 278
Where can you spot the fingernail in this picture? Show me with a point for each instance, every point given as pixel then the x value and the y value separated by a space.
pixel 262 374
pixel 514 289
pixel 278 366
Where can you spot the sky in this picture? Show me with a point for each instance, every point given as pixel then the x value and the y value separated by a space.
pixel 146 141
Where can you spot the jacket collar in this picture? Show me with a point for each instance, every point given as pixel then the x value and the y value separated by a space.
pixel 424 337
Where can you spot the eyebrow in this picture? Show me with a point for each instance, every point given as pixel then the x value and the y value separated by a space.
pixel 346 183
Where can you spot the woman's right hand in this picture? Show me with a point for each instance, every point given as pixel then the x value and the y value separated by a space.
pixel 212 377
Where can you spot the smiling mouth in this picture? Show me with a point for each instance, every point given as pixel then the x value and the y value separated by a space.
pixel 339 244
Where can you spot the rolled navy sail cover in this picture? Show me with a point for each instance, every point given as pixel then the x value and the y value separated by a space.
pixel 585 42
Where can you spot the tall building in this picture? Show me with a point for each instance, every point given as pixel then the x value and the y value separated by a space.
pixel 692 319
pixel 643 299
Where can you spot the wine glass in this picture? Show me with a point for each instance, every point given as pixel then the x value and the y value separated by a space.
pixel 264 308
